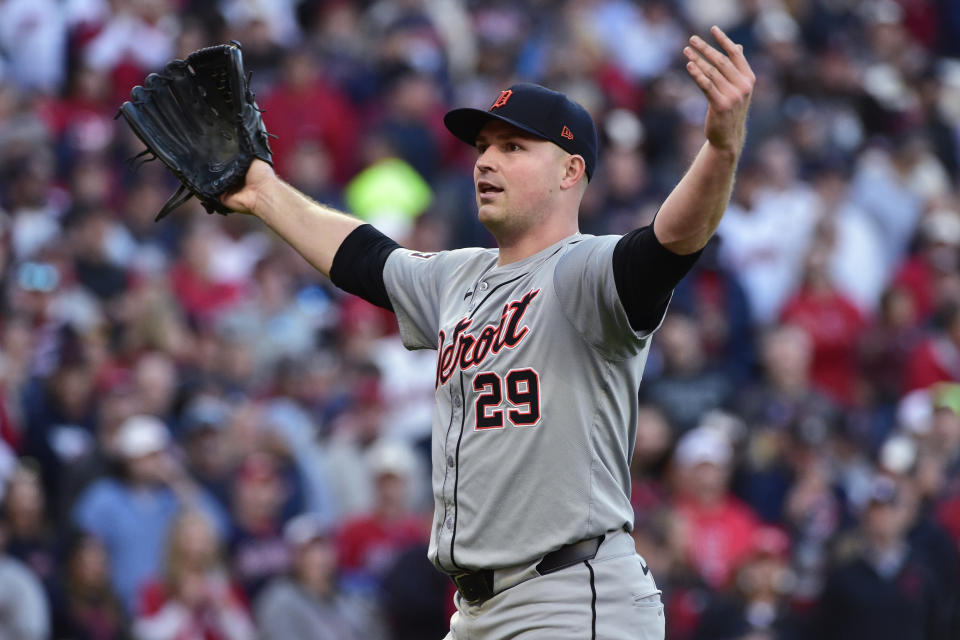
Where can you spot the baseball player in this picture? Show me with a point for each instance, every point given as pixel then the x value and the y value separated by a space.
pixel 540 348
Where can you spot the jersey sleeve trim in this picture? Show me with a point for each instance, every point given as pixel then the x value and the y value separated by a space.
pixel 358 265
pixel 645 273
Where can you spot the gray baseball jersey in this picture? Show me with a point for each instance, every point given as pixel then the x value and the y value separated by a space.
pixel 536 396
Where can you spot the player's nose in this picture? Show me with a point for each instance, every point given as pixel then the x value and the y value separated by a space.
pixel 486 160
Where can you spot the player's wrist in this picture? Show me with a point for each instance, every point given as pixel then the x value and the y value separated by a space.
pixel 266 194
pixel 725 151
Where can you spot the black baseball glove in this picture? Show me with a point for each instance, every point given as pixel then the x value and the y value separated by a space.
pixel 199 117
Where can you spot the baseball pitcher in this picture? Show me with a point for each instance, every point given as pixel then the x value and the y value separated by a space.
pixel 540 343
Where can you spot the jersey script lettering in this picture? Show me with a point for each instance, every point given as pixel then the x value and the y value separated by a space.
pixel 465 350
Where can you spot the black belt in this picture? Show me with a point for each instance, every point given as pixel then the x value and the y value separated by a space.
pixel 476 586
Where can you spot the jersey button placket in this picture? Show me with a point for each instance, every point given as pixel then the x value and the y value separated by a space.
pixel 445 528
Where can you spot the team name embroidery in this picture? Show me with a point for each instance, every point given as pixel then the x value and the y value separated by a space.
pixel 466 350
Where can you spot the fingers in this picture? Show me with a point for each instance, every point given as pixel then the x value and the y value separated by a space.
pixel 721 63
pixel 723 78
pixel 714 79
pixel 701 78
pixel 733 66
pixel 735 51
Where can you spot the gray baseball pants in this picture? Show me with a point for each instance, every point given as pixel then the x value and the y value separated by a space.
pixel 612 597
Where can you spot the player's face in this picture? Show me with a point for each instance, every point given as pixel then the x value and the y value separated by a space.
pixel 517 178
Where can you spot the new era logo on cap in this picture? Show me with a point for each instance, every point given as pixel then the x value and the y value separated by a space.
pixel 537 110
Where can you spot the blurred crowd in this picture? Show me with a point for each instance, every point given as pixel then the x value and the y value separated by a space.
pixel 202 439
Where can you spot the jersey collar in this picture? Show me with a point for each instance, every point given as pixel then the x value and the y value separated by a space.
pixel 531 261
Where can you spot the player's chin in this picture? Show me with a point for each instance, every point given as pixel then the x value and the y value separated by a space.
pixel 488 213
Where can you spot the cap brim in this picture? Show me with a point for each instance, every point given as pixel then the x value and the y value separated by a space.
pixel 466 123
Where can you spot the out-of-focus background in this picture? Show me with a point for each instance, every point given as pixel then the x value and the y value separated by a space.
pixel 201 438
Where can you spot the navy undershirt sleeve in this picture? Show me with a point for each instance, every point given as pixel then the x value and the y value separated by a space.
pixel 358 265
pixel 645 273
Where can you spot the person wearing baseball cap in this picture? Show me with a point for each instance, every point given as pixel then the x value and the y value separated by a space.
pixel 132 513
pixel 537 111
pixel 884 563
pixel 758 604
pixel 541 344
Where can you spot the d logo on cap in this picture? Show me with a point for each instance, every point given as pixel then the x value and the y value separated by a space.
pixel 538 111
pixel 502 99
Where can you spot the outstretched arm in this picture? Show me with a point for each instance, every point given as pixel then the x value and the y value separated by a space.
pixel 692 211
pixel 314 230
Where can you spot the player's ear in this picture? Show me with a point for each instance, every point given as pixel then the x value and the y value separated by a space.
pixel 574 170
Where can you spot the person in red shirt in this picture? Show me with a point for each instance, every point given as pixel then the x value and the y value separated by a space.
pixel 304 107
pixel 201 294
pixel 886 343
pixel 716 528
pixel 923 274
pixel 833 322
pixel 83 118
pixel 936 359
pixel 368 544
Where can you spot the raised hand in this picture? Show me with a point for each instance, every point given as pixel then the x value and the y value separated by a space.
pixel 727 81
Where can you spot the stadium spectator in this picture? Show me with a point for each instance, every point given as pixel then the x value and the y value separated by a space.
pixel 29 538
pixel 713 295
pixel 856 263
pixel 60 416
pixel 308 604
pixel 936 259
pixel 784 394
pixel 255 544
pixel 85 606
pixel 690 384
pixel 133 512
pixel 881 589
pixel 885 345
pixel 194 599
pixel 353 432
pixel 717 528
pixel 26 610
pixel 415 597
pixel 758 603
pixel 209 455
pixel 833 323
pixel 937 358
pixel 370 543
pixel 308 107
pixel 888 184
pixel 194 281
pixel 768 228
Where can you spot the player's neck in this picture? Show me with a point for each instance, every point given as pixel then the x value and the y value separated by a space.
pixel 533 242
pixel 535 233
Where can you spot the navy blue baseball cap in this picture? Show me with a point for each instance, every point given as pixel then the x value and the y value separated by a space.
pixel 537 110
